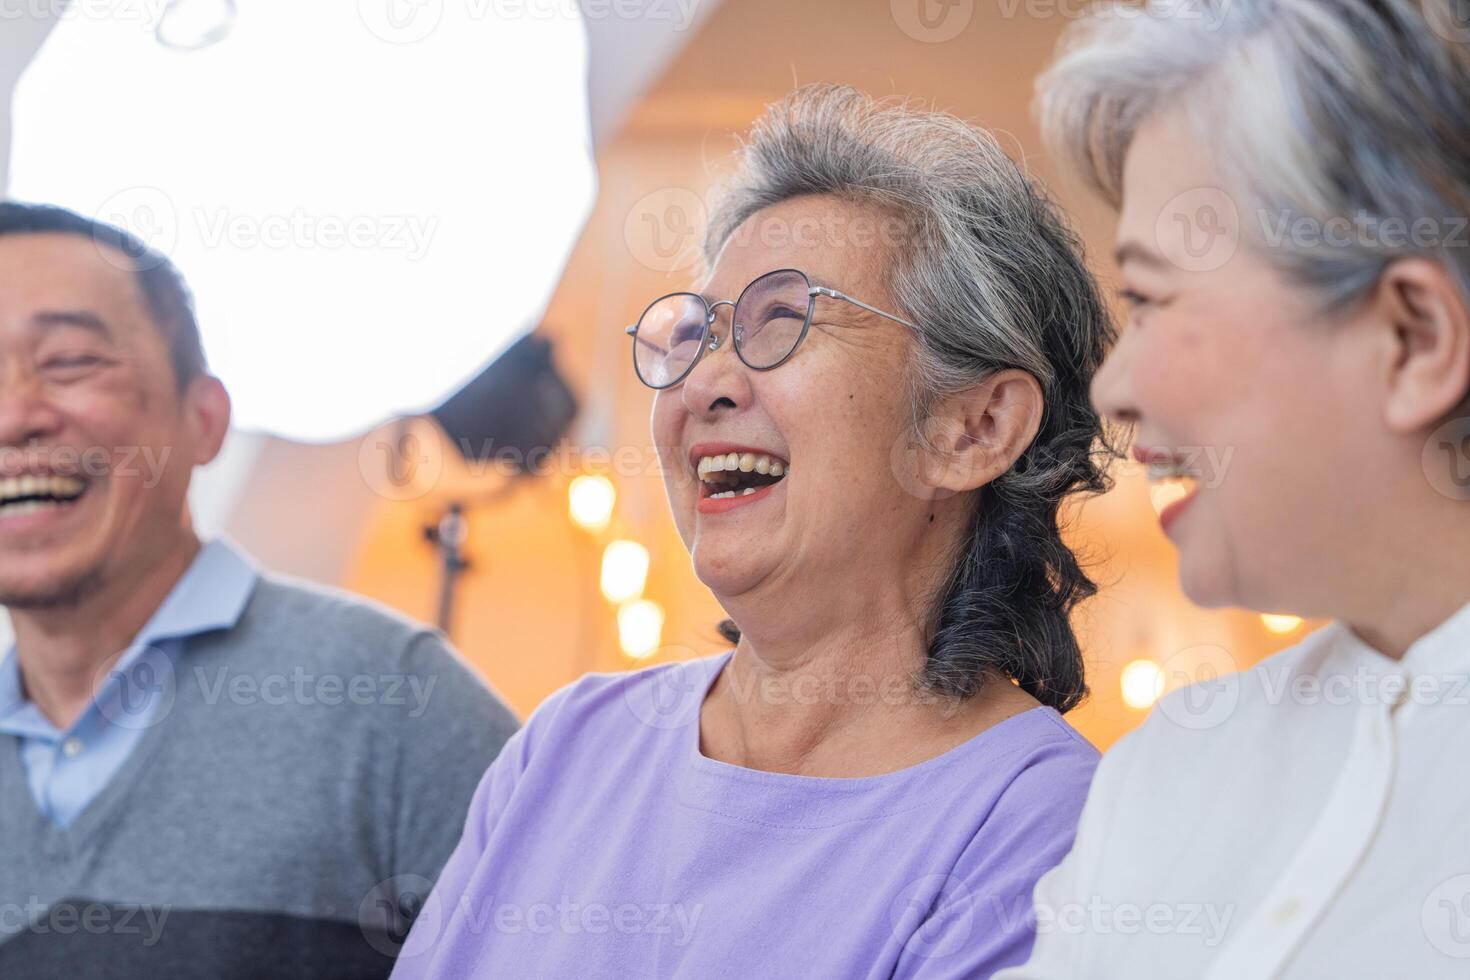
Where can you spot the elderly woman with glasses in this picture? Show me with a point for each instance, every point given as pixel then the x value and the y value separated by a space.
pixel 1293 179
pixel 869 414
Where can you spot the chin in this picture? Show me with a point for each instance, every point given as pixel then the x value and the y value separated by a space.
pixel 50 590
pixel 724 574
pixel 1206 583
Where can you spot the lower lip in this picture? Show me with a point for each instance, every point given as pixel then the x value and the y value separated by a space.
pixel 709 505
pixel 39 519
pixel 1171 513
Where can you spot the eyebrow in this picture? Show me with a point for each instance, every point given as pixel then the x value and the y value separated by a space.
pixel 1132 251
pixel 87 320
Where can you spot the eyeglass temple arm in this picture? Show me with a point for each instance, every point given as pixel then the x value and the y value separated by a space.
pixel 834 294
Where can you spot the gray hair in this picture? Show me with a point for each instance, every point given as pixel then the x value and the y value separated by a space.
pixel 1337 113
pixel 994 278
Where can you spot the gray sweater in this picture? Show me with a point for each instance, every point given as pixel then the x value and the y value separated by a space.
pixel 283 817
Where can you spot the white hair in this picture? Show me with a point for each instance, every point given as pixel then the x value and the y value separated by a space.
pixel 1353 115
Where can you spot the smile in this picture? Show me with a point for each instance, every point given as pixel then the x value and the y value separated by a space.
pixel 733 476
pixel 738 474
pixel 32 493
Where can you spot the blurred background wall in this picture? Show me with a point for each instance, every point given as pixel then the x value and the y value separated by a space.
pixel 671 84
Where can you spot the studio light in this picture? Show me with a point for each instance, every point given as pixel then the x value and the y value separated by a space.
pixel 371 200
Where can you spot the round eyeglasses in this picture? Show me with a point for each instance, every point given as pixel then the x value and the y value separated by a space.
pixel 768 322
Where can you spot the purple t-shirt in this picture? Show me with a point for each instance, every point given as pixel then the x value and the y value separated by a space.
pixel 602 843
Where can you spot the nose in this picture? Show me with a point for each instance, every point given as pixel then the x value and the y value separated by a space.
pixel 1112 393
pixel 719 382
pixel 25 414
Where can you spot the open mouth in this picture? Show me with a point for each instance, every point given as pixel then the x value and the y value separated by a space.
pixel 738 474
pixel 34 492
pixel 1171 483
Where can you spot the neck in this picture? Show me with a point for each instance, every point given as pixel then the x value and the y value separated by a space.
pixel 836 694
pixel 62 651
pixel 1419 579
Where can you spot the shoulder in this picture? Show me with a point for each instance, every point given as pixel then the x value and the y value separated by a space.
pixel 373 653
pixel 305 615
pixel 625 705
pixel 1218 705
pixel 1047 776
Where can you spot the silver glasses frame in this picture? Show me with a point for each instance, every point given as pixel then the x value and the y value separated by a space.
pixel 710 341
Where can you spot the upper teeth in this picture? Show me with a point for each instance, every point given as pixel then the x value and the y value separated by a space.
pixel 36 486
pixel 1168 470
pixel 744 462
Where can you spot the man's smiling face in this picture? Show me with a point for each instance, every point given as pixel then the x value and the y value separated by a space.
pixel 96 442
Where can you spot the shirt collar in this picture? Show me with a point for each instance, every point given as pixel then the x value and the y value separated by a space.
pixel 1443 651
pixel 211 595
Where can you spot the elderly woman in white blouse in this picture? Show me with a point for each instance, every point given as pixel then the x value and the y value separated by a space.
pixel 1293 181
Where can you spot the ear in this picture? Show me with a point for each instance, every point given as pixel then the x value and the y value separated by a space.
pixel 206 406
pixel 1427 365
pixel 979 433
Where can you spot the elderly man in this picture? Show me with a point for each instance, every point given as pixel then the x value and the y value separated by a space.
pixel 204 770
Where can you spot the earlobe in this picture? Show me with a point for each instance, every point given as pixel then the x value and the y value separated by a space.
pixel 208 405
pixel 1429 372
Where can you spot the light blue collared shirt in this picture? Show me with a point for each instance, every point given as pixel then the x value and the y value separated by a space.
pixel 66 770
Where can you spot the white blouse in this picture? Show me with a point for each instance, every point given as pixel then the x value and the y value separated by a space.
pixel 1309 818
